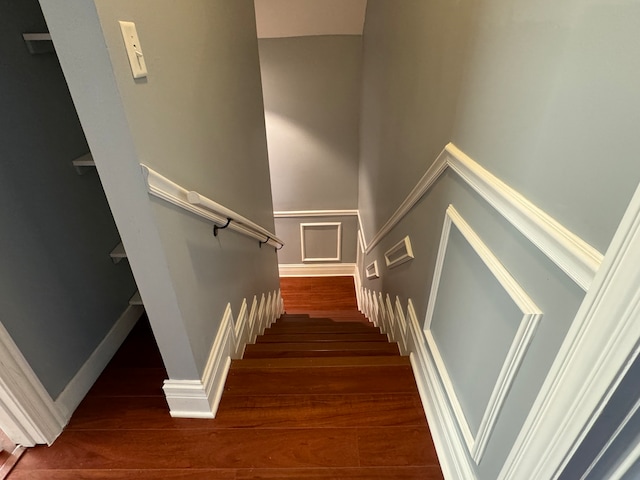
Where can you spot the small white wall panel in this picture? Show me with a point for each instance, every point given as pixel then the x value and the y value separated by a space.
pixel 400 253
pixel 372 270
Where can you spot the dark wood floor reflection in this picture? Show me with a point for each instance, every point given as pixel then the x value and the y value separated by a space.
pixel 318 397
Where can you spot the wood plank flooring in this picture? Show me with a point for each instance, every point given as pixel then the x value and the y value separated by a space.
pixel 353 415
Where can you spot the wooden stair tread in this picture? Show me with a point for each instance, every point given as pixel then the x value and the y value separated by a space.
pixel 320 362
pixel 340 328
pixel 328 380
pixel 316 349
pixel 322 337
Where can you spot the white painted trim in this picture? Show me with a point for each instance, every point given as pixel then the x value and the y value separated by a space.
pixel 318 270
pixel 361 233
pixel 204 207
pixel 574 256
pixel 253 320
pixel 450 446
pixel 601 344
pixel 403 247
pixel 29 415
pixel 612 439
pixel 401 326
pixel 304 226
pixel 629 461
pixel 240 331
pixel 314 213
pixel 372 270
pixel 83 380
pixel 201 398
pixel 382 315
pixel 394 332
pixel 531 316
pixel 357 281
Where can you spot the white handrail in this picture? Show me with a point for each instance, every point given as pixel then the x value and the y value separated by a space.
pixel 161 187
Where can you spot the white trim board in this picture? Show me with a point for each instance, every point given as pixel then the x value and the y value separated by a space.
pixel 602 343
pixel 450 446
pixel 201 398
pixel 372 270
pixel 574 256
pixel 314 213
pixel 528 323
pixel 305 227
pixel 29 414
pixel 81 383
pixel 319 270
pixel 400 253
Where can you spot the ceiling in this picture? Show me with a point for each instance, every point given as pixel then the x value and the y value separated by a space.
pixel 298 18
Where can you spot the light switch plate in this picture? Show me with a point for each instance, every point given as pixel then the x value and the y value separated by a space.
pixel 134 49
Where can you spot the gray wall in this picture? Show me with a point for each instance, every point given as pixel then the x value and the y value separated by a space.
pixel 197 119
pixel 311 91
pixel 60 293
pixel 311 88
pixel 541 95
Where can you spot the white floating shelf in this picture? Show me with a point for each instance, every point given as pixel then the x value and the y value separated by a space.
pixel 118 253
pixel 136 299
pixel 82 163
pixel 38 43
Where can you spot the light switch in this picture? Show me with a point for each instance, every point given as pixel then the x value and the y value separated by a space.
pixel 134 50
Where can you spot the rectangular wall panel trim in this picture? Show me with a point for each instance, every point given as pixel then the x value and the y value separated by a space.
pixel 305 228
pixel 528 323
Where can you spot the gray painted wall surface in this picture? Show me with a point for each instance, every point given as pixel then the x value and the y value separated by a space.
pixel 60 293
pixel 289 228
pixel 471 303
pixel 312 104
pixel 197 119
pixel 413 62
pixel 539 94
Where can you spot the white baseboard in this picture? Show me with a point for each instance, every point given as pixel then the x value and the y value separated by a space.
pixel 317 270
pixel 201 398
pixel 82 382
pixel 456 464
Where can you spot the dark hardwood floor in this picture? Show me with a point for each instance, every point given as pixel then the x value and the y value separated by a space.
pixel 355 414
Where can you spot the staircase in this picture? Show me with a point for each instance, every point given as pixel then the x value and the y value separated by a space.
pixel 338 394
pixel 321 395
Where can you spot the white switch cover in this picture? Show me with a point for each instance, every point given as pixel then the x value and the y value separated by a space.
pixel 134 50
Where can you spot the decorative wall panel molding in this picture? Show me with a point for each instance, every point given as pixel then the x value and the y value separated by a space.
pixel 306 233
pixel 400 253
pixel 574 256
pixel 531 316
pixel 372 270
pixel 201 398
pixel 315 213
